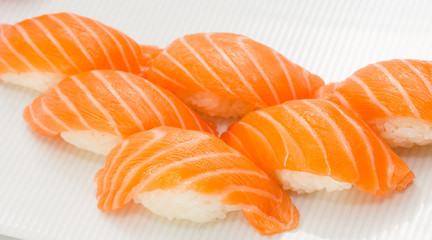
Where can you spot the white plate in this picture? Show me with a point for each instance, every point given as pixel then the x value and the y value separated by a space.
pixel 46 186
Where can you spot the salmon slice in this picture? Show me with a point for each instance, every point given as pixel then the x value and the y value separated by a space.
pixel 149 53
pixel 171 160
pixel 40 51
pixel 315 144
pixel 394 97
pixel 229 68
pixel 115 103
pixel 3 26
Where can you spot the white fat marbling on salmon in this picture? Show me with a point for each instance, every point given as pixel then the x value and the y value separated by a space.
pixel 240 143
pixel 182 67
pixel 118 170
pixel 286 137
pixel 75 39
pixel 287 75
pixel 343 101
pixel 340 134
pixel 241 188
pixel 259 68
pixel 21 57
pixel 53 116
pixel 35 48
pixel 97 104
pixel 219 172
pixel 119 152
pixel 156 173
pixel 123 103
pixel 171 80
pixel 206 66
pixel 234 67
pixel 132 173
pixel 260 135
pixel 5 63
pixel 360 131
pixel 305 74
pixel 95 37
pixel 419 74
pixel 38 123
pixel 169 101
pixel 72 107
pixel 56 43
pixel 402 91
pixel 119 46
pixel 195 118
pixel 133 50
pixel 370 94
pixel 144 96
pixel 390 167
pixel 314 134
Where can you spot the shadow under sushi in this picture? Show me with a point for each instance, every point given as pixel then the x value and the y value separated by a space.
pixel 354 214
pixel 136 216
pixel 351 214
pixel 19 92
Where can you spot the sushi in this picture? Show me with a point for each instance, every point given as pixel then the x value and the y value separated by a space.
pixel 39 52
pixel 394 97
pixel 96 110
pixel 229 75
pixel 310 145
pixel 192 175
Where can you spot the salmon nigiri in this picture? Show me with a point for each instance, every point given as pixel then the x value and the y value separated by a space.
pixel 96 110
pixel 39 52
pixel 228 75
pixel 311 145
pixel 192 175
pixel 394 97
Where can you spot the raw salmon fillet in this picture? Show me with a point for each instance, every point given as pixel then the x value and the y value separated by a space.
pixel 65 44
pixel 385 89
pixel 112 102
pixel 231 66
pixel 321 138
pixel 394 97
pixel 168 159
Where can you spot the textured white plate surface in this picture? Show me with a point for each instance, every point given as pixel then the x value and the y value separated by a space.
pixel 46 186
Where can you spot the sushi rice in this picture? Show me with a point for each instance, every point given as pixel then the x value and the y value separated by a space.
pixel 304 182
pixel 188 205
pixel 403 131
pixel 93 141
pixel 41 82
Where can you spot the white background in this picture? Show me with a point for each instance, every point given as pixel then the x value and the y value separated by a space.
pixel 46 188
